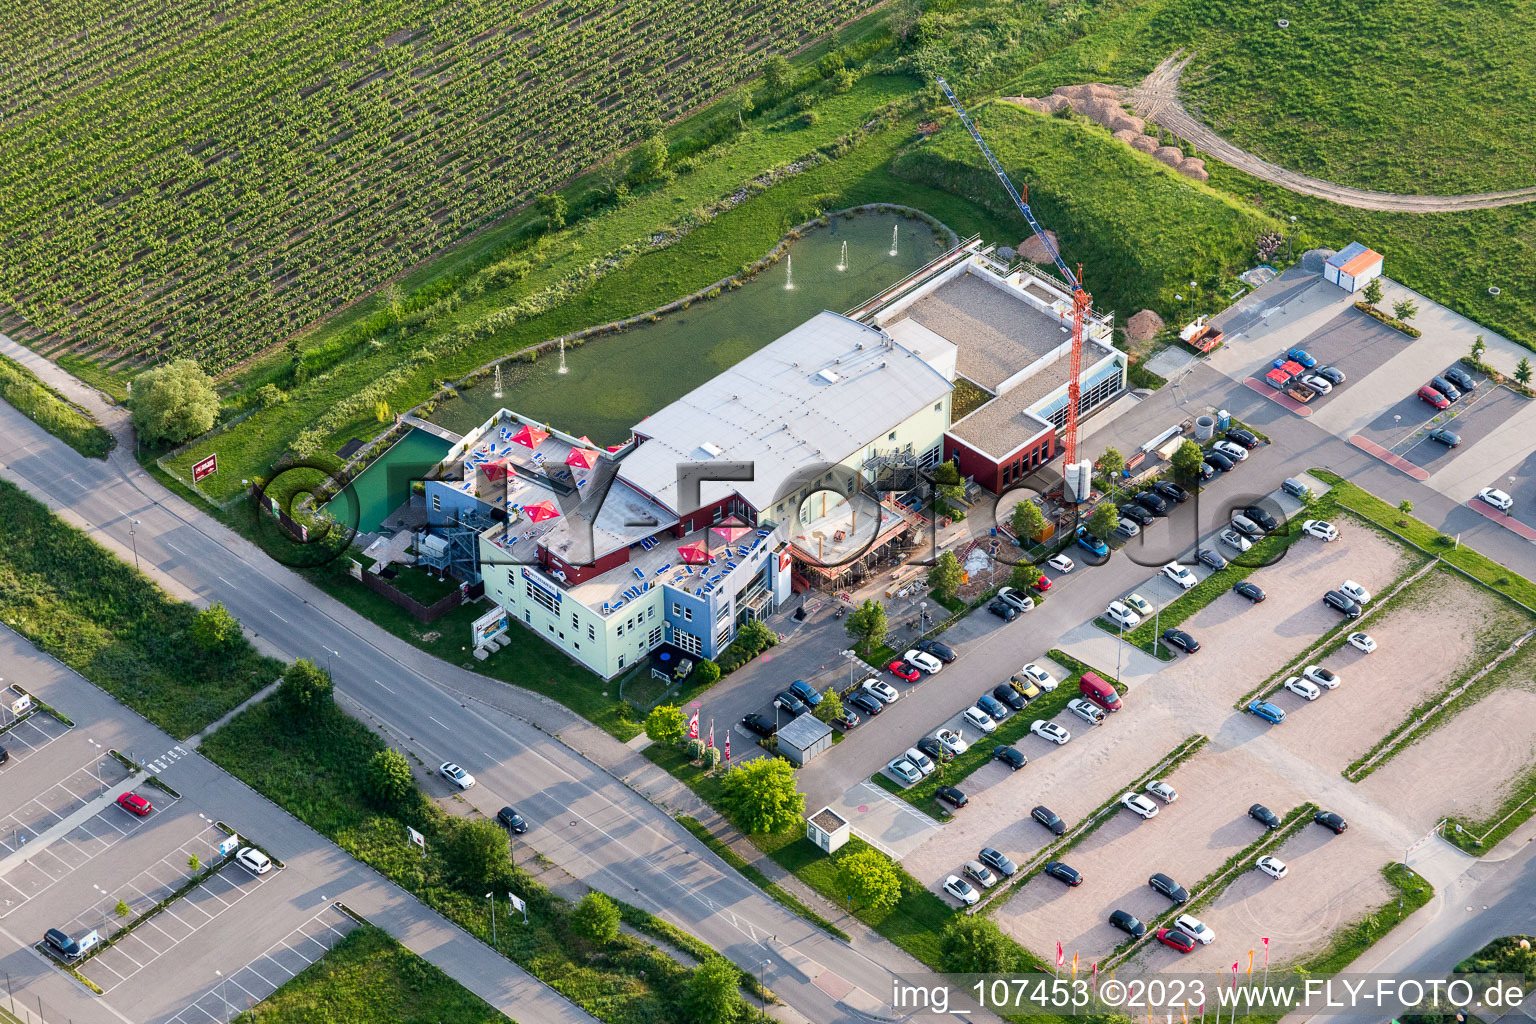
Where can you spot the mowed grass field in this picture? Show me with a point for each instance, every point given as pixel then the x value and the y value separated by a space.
pixel 239 170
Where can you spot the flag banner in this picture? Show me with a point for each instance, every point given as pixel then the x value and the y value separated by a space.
pixel 711 744
pixel 1250 961
pixel 693 726
pixel 727 748
pixel 1061 957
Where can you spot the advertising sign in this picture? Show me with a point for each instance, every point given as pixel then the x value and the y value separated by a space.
pixel 205 468
pixel 489 626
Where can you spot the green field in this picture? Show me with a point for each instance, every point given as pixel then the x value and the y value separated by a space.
pixel 239 171
pixel 369 977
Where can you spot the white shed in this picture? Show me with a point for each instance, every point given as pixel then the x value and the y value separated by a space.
pixel 1352 267
pixel 827 829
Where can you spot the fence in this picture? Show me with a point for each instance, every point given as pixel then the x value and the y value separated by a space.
pixel 422 612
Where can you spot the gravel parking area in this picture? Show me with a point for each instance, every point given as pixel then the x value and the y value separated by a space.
pixel 1440 629
pixel 1188 840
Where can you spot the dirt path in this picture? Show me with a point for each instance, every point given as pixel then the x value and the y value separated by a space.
pixel 1157 100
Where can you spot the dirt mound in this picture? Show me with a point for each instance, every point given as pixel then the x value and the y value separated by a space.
pixel 1126 136
pixel 1033 250
pixel 1170 155
pixel 1007 253
pixel 1143 326
pixel 1145 143
pixel 1055 103
pixel 1122 122
pixel 1194 167
pixel 1039 106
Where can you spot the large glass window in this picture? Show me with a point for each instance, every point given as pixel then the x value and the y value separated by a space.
pixel 688 642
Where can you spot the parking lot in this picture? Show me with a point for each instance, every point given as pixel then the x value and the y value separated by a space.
pixel 21 739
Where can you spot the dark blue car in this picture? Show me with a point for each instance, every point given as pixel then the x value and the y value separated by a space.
pixel 805 691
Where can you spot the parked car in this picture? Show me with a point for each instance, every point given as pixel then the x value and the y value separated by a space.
pixel 1267 711
pixel 1332 374
pixel 1303 689
pixel 1449 438
pixel 902 669
pixel 5 756
pixel 979 873
pixel 961 890
pixel 951 796
pixel 135 804
pixel 1326 678
pixel 1180 575
pixel 1211 559
pixel 1091 543
pixel 1295 488
pixel 1180 639
pixel 883 690
pixel 1003 610
pixel 1138 604
pixel 1235 452
pixel 993 707
pixel 1139 805
pixel 1126 529
pixel 927 662
pixel 1434 398
pixel 921 761
pixel 1122 616
pixel 791 703
pixel 758 725
pixel 1049 731
pixel 1264 816
pixel 1330 820
pixel 1039 676
pixel 456 775
pixel 1010 756
pixel 1172 491
pixel 1009 696
pixel 1262 516
pixel 1024 688
pixel 1355 592
pixel 1302 356
pixel 62 945
pixel 1127 923
pixel 1497 498
pixel 511 820
pixel 1049 818
pixel 1096 689
pixel 951 741
pixel 1461 378
pixel 866 703
pixel 1087 711
pixel 904 770
pixel 1362 642
pixel 1042 584
pixel 1175 939
pixel 979 719
pixel 845 721
pixel 1342 603
pixel 1168 887
pixel 1246 438
pixel 1317 382
pixel 1061 563
pixel 1274 867
pixel 1023 602
pixel 1242 524
pixel 1446 388
pixel 806 692
pixel 1193 926
pixel 1222 462
pixel 1252 591
pixel 1164 792
pixel 1134 512
pixel 1154 503
pixel 942 651
pixel 1208 472
pixel 1234 540
pixel 254 861
pixel 997 862
pixel 1063 873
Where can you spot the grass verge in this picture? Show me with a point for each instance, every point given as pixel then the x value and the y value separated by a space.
pixel 53 412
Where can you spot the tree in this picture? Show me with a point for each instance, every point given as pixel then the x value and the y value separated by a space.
pixel 214 629
pixel 173 403
pixel 478 854
pixel 1523 370
pixel 944 575
pixel 714 990
pixel 1104 520
pixel 648 160
pixel 1373 291
pixel 395 299
pixel 552 206
pixel 1479 346
pixel 831 705
pixel 1405 309
pixel 1186 460
pixel 741 99
pixel 946 474
pixel 306 691
pixel 755 636
pixel 1028 522
pixel 842 80
pixel 706 673
pixel 269 395
pixel 761 796
pixel 867 624
pixel 1023 576
pixel 975 945
pixel 666 724
pixel 1405 506
pixel 869 877
pixel 596 919
pixel 778 76
pixel 1111 463
pixel 195 863
pixel 122 909
pixel 388 779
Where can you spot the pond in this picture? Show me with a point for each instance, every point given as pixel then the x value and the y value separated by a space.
pixel 614 381
pixel 386 483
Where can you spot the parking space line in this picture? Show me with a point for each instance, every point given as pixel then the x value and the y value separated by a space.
pixel 280 967
pixel 251 967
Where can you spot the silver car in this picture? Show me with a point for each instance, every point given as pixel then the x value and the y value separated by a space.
pixel 1087 710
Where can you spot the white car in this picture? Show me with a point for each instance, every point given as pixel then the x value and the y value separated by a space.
pixel 927 662
pixel 1497 498
pixel 1355 592
pixel 979 719
pixel 1164 792
pixel 1122 616
pixel 1039 676
pixel 951 741
pixel 1323 531
pixel 1301 688
pixel 1061 563
pixel 1180 575
pixel 1326 678
pixel 1235 452
pixel 456 775
pixel 1087 710
pixel 1049 731
pixel 1316 383
pixel 1020 602
pixel 1138 604
pixel 923 762
pixel 904 770
pixel 1195 929
pixel 1233 539
pixel 961 890
pixel 1274 867
pixel 882 691
pixel 1140 804
pixel 254 861
pixel 1362 642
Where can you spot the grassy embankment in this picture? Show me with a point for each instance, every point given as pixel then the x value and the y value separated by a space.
pixel 50 410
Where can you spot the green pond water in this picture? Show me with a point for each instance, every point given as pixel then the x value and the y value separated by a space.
pixel 614 381
pixel 385 484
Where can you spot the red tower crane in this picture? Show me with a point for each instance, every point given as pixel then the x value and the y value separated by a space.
pixel 1082 302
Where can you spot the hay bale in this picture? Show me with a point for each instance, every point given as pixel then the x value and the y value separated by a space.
pixel 1170 155
pixel 1143 326
pixel 1033 250
pixel 1194 167
pixel 1145 143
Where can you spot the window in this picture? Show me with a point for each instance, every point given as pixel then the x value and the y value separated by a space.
pixel 437 502
pixel 545 600
pixel 677 609
pixel 719 513
pixel 575 623
pixel 620 631
pixel 687 614
pixel 591 632
pixel 724 637
pixel 621 661
pixel 938 406
pixel 891 436
pixel 650 612
pixel 655 636
pixel 688 642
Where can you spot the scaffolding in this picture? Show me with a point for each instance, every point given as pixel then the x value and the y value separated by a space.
pixel 453 548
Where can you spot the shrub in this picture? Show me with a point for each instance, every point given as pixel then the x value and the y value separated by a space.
pixel 306 692
pixel 214 629
pixel 478 854
pixel 173 403
pixel 695 749
pixel 389 781
pixel 665 724
pixel 706 673
pixel 596 919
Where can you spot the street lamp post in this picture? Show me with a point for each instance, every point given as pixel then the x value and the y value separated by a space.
pixel 224 992
pixel 1289 238
pixel 328 653
pixel 135 540
pixel 1194 286
pixel 922 608
pixel 762 986
pixel 490 898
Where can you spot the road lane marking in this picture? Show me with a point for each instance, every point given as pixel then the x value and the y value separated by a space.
pixel 434 718
pixel 279 617
pixel 385 687
pixel 228 584
pixel 174 548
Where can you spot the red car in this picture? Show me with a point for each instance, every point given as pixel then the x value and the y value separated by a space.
pixel 1175 939
pixel 1434 397
pixel 1042 584
pixel 135 803
pixel 903 670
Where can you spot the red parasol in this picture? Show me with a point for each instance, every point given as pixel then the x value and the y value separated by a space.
pixel 541 511
pixel 498 469
pixel 581 458
pixel 530 436
pixel 693 554
pixel 730 532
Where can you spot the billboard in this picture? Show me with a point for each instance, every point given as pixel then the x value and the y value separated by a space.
pixel 489 626
pixel 206 468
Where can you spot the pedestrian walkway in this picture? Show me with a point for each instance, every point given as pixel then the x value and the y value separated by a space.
pixel 1370 447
